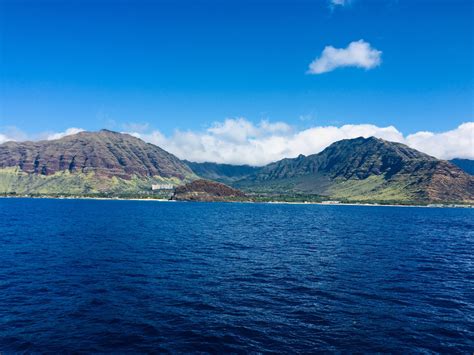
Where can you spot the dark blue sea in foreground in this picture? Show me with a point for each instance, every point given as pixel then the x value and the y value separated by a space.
pixel 120 276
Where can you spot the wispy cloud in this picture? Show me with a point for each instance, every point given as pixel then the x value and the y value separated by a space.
pixel 67 132
pixel 136 126
pixel 11 133
pixel 14 134
pixel 358 54
pixel 339 2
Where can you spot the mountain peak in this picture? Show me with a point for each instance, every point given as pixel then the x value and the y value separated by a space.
pixel 366 139
pixel 103 132
pixel 105 153
pixel 371 140
pixel 108 131
pixel 370 167
pixel 375 146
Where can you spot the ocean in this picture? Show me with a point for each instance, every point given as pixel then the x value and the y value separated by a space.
pixel 136 276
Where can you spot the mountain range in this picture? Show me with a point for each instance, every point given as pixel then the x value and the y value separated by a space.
pixel 106 162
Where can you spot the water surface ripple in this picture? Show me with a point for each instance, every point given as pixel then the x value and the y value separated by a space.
pixel 119 276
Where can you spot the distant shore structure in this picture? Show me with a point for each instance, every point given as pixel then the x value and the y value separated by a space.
pixel 162 187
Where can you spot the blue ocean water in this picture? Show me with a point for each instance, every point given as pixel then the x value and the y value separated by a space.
pixel 119 276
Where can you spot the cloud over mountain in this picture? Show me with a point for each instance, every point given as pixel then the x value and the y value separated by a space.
pixel 67 132
pixel 457 143
pixel 239 141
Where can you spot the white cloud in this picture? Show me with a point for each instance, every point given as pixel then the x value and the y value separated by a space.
pixel 67 132
pixel 358 54
pixel 457 143
pixel 237 130
pixel 239 141
pixel 136 126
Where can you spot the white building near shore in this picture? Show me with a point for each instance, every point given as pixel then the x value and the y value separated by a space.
pixel 162 187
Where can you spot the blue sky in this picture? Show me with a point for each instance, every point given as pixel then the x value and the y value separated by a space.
pixel 161 67
pixel 185 64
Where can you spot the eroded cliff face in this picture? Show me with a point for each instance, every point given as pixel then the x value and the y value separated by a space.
pixel 449 183
pixel 104 153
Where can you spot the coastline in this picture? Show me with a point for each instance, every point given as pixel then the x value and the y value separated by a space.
pixel 329 203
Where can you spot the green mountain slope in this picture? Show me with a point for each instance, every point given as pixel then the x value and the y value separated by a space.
pixel 366 170
pixel 88 163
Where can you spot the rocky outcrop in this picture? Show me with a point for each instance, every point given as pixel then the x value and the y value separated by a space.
pixel 205 190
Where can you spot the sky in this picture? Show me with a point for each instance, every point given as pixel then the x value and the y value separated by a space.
pixel 241 81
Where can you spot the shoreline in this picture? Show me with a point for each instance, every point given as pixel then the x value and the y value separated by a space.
pixel 361 204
